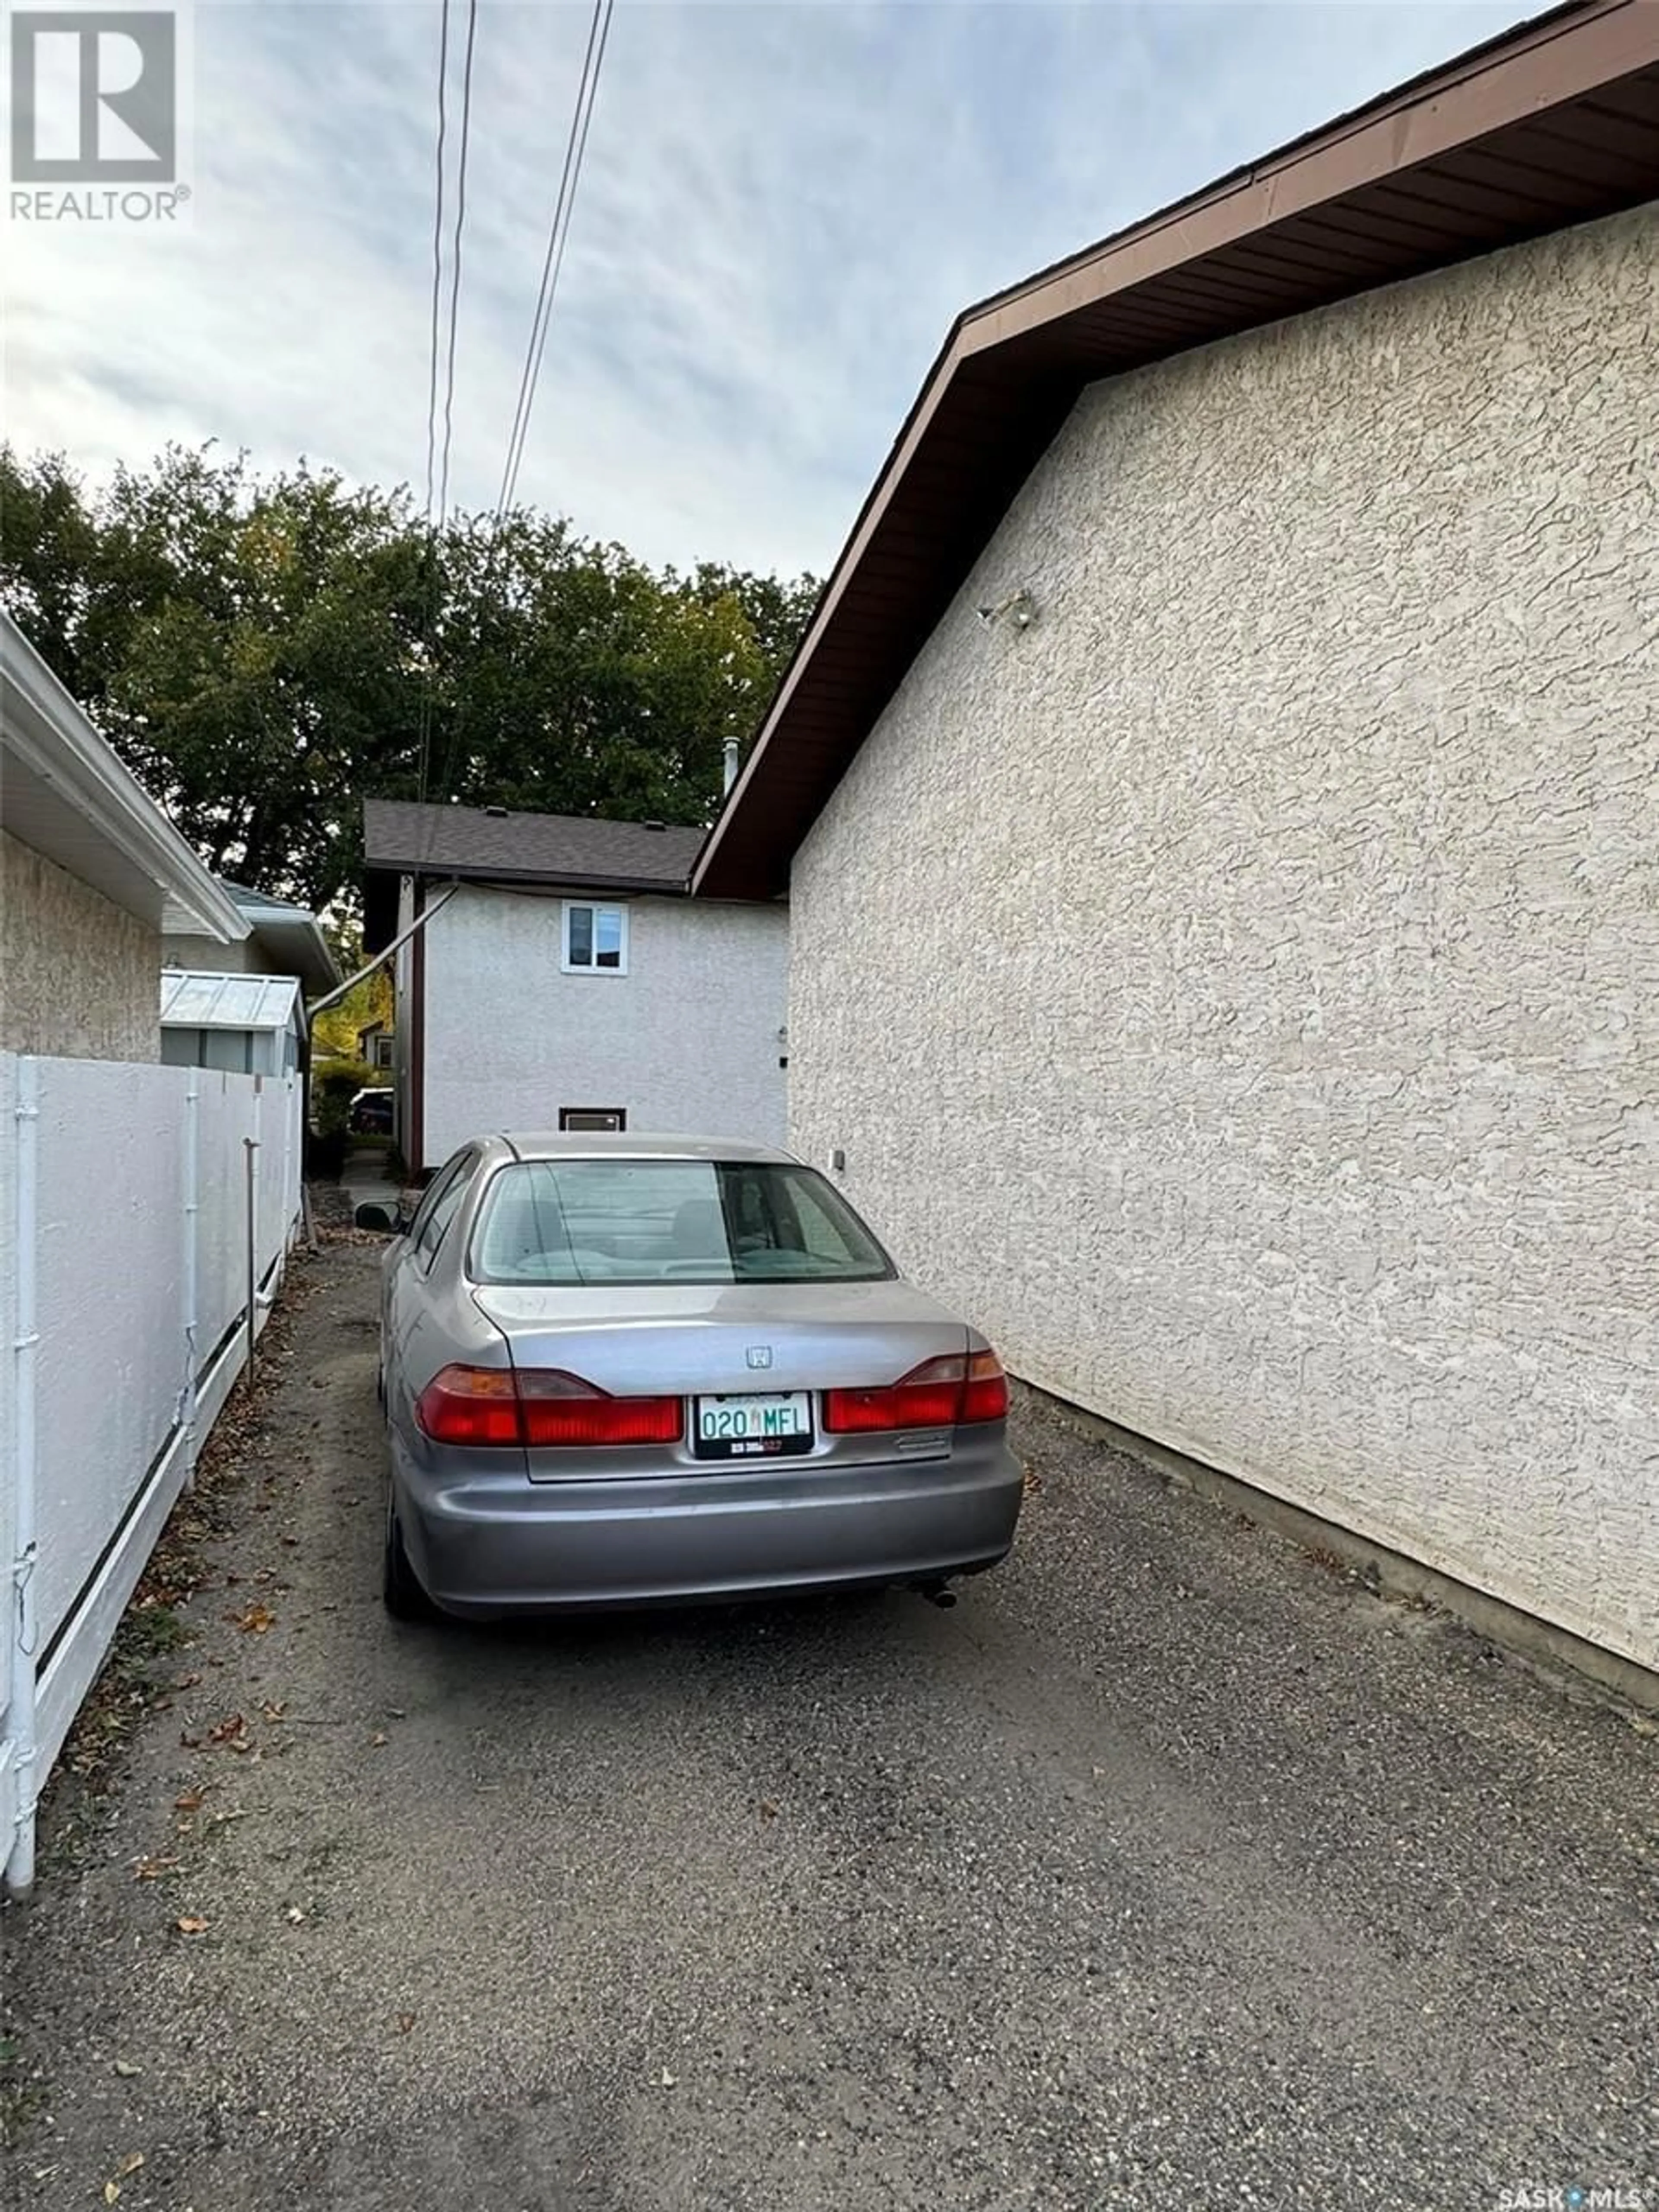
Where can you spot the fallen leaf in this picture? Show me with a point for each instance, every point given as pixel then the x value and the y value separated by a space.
pixel 221 1731
pixel 255 1620
pixel 769 1811
pixel 405 2021
pixel 153 1870
pixel 667 2079
pixel 131 2163
pixel 379 1738
pixel 189 1925
pixel 126 2069
pixel 186 1682
pixel 111 2192
pixel 274 1709
pixel 189 1801
pixel 295 1915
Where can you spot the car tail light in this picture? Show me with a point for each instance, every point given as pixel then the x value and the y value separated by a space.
pixel 471 1406
pixel 562 1409
pixel 939 1394
pixel 535 1408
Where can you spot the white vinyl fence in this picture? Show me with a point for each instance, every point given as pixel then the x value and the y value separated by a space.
pixel 146 1214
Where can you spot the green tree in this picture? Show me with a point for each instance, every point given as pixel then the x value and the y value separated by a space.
pixel 268 650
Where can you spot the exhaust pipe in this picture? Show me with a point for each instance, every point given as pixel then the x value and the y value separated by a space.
pixel 936 1593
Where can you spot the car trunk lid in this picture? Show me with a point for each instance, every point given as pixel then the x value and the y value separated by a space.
pixel 700 1338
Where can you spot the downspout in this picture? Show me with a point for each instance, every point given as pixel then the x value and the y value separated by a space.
pixel 414 1136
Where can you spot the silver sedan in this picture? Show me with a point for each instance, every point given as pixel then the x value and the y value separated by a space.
pixel 627 1372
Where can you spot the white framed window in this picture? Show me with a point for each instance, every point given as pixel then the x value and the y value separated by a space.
pixel 595 939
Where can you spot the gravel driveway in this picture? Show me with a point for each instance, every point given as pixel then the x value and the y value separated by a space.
pixel 1169 1868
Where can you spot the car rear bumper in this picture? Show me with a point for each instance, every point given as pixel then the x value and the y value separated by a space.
pixel 487 1544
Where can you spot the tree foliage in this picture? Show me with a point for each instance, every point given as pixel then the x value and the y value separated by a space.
pixel 267 651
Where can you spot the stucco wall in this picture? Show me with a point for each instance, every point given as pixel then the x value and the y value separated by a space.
pixel 80 979
pixel 687 1040
pixel 206 953
pixel 1241 990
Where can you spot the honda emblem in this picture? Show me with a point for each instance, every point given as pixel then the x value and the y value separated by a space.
pixel 760 1355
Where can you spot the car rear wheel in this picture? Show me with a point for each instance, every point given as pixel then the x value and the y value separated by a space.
pixel 400 1587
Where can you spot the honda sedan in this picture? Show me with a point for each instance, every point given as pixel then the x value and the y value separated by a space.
pixel 624 1371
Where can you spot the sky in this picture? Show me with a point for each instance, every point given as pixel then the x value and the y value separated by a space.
pixel 782 210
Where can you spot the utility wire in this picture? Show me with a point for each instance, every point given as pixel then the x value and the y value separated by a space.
pixel 558 231
pixel 430 615
pixel 553 261
pixel 437 465
pixel 455 274
pixel 437 266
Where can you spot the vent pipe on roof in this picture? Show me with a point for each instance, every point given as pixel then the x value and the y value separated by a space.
pixel 730 764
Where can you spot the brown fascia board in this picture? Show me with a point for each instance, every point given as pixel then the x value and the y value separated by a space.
pixel 1524 74
pixel 1548 62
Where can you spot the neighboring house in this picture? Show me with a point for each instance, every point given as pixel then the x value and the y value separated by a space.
pixel 247 1025
pixel 565 980
pixel 1216 796
pixel 377 1045
pixel 92 874
pixel 282 940
pixel 246 1012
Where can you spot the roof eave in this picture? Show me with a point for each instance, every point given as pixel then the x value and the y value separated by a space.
pixel 298 939
pixel 59 770
pixel 429 871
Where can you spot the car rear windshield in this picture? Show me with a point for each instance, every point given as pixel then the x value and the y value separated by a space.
pixel 664 1221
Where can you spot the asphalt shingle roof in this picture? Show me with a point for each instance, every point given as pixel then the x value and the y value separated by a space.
pixel 555 848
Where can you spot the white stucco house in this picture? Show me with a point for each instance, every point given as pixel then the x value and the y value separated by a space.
pixel 1217 800
pixel 282 940
pixel 563 978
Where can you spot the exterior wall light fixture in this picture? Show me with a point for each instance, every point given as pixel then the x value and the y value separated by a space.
pixel 1018 610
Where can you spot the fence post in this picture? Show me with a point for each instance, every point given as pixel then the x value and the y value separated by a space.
pixel 192 1295
pixel 20 1624
pixel 251 1154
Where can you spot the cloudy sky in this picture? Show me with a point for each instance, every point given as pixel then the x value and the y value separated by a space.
pixel 783 207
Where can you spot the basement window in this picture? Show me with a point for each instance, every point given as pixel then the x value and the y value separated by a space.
pixel 595 939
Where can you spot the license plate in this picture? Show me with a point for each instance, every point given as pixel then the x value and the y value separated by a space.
pixel 752 1427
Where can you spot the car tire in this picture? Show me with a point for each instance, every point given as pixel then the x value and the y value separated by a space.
pixel 401 1588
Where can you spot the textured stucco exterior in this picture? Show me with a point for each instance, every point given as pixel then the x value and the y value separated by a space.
pixel 209 955
pixel 1240 991
pixel 78 975
pixel 689 1039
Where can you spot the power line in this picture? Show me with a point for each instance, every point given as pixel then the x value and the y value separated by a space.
pixel 437 264
pixel 558 231
pixel 455 279
pixel 437 470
